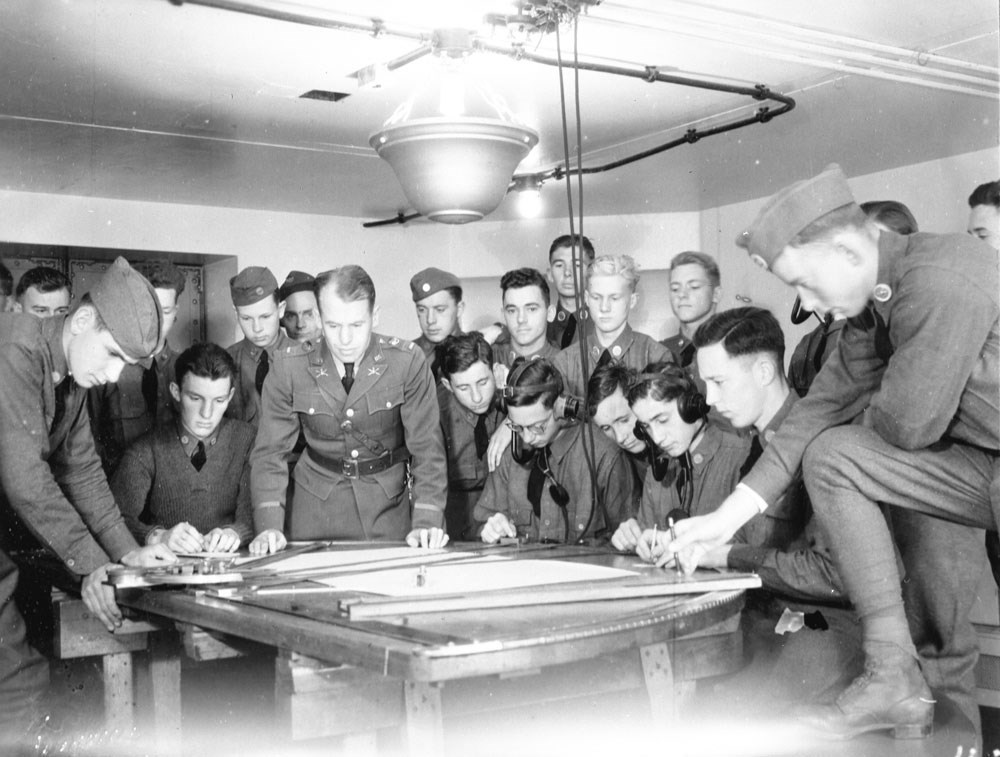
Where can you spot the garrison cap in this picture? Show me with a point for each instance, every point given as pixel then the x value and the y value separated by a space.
pixel 128 306
pixel 296 281
pixel 430 281
pixel 252 285
pixel 791 210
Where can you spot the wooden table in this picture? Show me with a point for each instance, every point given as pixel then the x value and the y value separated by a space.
pixel 341 677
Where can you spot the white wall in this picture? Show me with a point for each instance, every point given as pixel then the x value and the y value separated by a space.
pixel 935 191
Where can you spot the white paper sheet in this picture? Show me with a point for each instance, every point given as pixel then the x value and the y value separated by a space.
pixel 494 575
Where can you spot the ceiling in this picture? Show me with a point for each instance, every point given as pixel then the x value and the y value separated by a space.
pixel 190 103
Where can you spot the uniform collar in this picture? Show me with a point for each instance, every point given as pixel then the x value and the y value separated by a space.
pixel 617 348
pixel 190 442
pixel 779 417
pixel 547 350
pixel 891 248
pixel 565 439
pixel 710 442
pixel 279 346
pixel 52 333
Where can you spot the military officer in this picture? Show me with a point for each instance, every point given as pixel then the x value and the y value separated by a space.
pixel 366 405
pixel 140 400
pixel 255 297
pixel 53 489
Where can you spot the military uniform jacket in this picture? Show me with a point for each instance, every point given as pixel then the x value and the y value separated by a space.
pixel 245 405
pixel 681 348
pixel 392 404
pixel 554 331
pixel 632 348
pixel 466 472
pixel 784 544
pixel 119 414
pixel 715 471
pixel 506 489
pixel 505 355
pixel 51 477
pixel 923 361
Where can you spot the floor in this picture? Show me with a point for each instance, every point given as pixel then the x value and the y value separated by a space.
pixel 228 709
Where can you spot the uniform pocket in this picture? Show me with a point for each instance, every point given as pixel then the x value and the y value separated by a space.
pixel 383 406
pixel 316 415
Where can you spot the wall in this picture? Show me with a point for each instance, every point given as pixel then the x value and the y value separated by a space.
pixel 935 191
pixel 283 241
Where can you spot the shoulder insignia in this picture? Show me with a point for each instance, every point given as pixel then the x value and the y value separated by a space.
pixel 376 370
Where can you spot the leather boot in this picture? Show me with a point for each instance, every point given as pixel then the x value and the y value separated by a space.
pixel 890 694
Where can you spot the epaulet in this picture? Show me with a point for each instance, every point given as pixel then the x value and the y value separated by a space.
pixel 296 349
pixel 394 342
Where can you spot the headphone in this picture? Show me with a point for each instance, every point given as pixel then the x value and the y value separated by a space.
pixel 566 407
pixel 691 407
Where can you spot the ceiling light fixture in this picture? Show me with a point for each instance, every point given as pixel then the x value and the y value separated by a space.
pixel 529 195
pixel 454 145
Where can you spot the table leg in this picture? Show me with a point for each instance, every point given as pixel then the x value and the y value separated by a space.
pixel 119 694
pixel 165 690
pixel 659 673
pixel 424 727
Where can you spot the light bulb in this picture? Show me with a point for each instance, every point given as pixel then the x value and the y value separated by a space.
pixel 529 202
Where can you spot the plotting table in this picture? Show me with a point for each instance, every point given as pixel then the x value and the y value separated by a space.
pixel 350 677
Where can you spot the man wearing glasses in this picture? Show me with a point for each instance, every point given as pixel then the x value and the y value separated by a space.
pixel 549 498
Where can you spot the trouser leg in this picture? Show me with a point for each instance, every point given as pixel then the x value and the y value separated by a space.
pixel 24 673
pixel 944 564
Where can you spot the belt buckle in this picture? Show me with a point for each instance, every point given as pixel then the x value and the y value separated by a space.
pixel 350 468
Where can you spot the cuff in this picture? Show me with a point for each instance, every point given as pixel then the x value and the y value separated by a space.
pixel 427 516
pixel 746 558
pixel 268 515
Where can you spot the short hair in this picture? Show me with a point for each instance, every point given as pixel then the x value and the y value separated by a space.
pixel 571 240
pixel 455 292
pixel 891 214
pixel 99 323
pixel 707 262
pixel 520 278
pixel 44 279
pixel 205 360
pixel 162 274
pixel 6 281
pixel 350 283
pixel 986 194
pixel 662 382
pixel 537 372
pixel 615 265
pixel 846 217
pixel 744 331
pixel 605 381
pixel 459 352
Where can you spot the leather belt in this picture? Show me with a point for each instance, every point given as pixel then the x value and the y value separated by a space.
pixel 354 468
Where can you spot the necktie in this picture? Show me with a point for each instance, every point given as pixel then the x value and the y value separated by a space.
pixel 569 332
pixel 755 452
pixel 603 360
pixel 348 380
pixel 482 436
pixel 687 355
pixel 870 320
pixel 536 481
pixel 199 457
pixel 62 393
pixel 150 387
pixel 263 364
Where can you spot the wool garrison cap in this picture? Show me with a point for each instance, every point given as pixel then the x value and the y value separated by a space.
pixel 430 281
pixel 791 210
pixel 251 285
pixel 296 281
pixel 128 306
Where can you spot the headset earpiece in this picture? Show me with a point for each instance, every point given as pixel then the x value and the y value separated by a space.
pixel 691 406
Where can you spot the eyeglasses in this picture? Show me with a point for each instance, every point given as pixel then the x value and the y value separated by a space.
pixel 536 429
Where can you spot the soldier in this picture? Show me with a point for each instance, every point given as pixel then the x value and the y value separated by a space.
pixel 366 405
pixel 301 316
pixel 563 329
pixel 611 283
pixel 551 499
pixel 438 297
pixel 694 296
pixel 53 489
pixel 255 298
pixel 526 312
pixel 140 400
pixel 984 213
pixel 608 409
pixel 470 415
pixel 43 292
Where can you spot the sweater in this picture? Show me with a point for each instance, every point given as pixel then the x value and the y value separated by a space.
pixel 156 486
